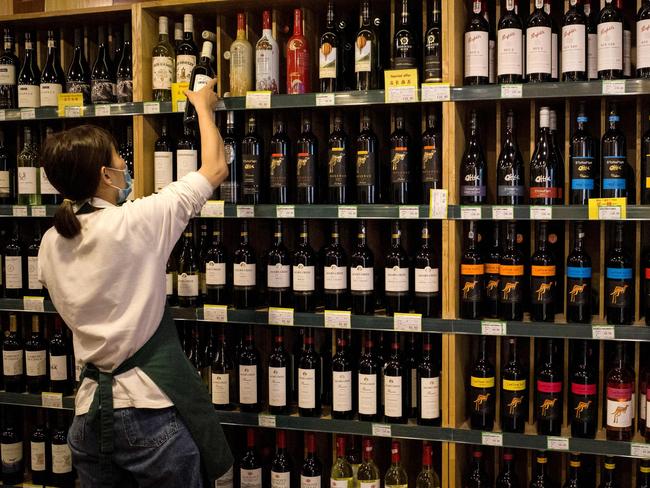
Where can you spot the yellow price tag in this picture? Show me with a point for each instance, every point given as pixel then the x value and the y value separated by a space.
pixel 607 208
pixel 69 100
pixel 178 94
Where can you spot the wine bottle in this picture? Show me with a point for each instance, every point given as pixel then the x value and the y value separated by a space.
pixel 395 390
pixel 541 478
pixel 14 266
pixel 61 474
pixel 34 286
pixel 59 356
pixel 548 391
pixel 477 47
pixel 7 185
pixel 202 248
pixel 223 375
pixel 187 154
pixel 396 476
pixel 543 279
pixel 338 166
pixel 432 65
pixel 404 41
pixel 608 476
pixel 592 40
pixel 610 42
pixel 511 277
pixel 312 469
pixel 511 186
pixel 507 477
pixel 52 78
pixel 307 165
pixel 186 52
pixel 514 392
pixel 102 76
pixel 397 274
pixel 583 399
pixel 583 168
pixel 298 62
pixel 368 474
pixel 341 475
pixel 78 78
pixel 472 272
pixel 574 43
pixel 124 73
pixel 492 45
pixel 554 42
pixel 278 271
pixel 11 446
pixel 252 151
pixel 200 76
pixel 335 273
pixel 544 172
pixel 578 273
pixel 281 465
pixel 614 159
pixel 643 476
pixel 214 265
pixel 369 386
pixel 303 270
pixel 163 159
pixel 620 397
pixel 29 77
pixel 362 280
pixel 478 477
pixel 343 377
pixel 171 279
pixel 538 43
pixel 426 299
pixel 400 151
pixel 428 386
pixel 8 72
pixel 366 51
pixel 12 359
pixel 574 478
pixel 38 447
pixel 642 41
pixel 241 61
pixel 482 394
pixel 230 189
pixel 250 465
pixel 492 277
pixel 431 157
pixel 619 282
pixel 329 65
pixel 163 64
pixel 249 374
pixel 279 165
pixel 36 359
pixel 309 377
pixel 509 45
pixel 427 478
pixel 279 376
pixel 188 272
pixel 368 177
pixel 473 168
pixel 244 272
pixel 645 306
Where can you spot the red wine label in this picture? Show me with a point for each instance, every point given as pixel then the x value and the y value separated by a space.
pixel 549 386
pixel 647 273
pixel 544 192
pixel 622 393
pixel 578 389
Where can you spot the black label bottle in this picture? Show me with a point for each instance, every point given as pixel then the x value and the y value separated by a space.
pixel 78 79
pixel 252 154
pixel 303 272
pixel 124 72
pixel 338 147
pixel 578 273
pixel 511 277
pixel 614 160
pixel 619 282
pixel 473 168
pixel 643 476
pixel 472 276
pixel 279 165
pixel 514 392
pixel 492 267
pixel 102 77
pixel 584 170
pixel 397 274
pixel 426 299
pixel 431 158
pixel 482 392
pixel 405 44
pixel 543 279
pixel 400 163
pixel 511 185
pixel 548 391
pixel 583 391
pixel 306 165
pixel 362 278
pixel 367 167
pixel 432 66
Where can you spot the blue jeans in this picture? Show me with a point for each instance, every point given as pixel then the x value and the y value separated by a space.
pixel 153 448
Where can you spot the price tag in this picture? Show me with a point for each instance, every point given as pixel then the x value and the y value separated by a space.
pixel 19 210
pixel 258 99
pixel 12 114
pixel 493 327
pixel 3 115
pixel 640 450
pixel 245 211
pixel 325 99
pixel 280 316
pixel 180 105
pixel 436 92
pixel 512 91
pixel 215 313
pixel 39 211
pixel 381 430
pixel 67 101
pixel 27 113
pixel 178 96
pixel 346 212
pixel 609 213
pixel 338 319
pixel 607 208
pixel 603 332
pixel 103 110
pixel 541 213
pixel 557 443
pixel 285 211
pixel 213 208
pixel 407 322
pixel 470 213
pixel 151 107
pixel 438 204
pixel 409 212
pixel 503 213
pixel 34 304
pixel 613 87
pixel 72 111
pixel 401 94
pixel 266 420
pixel 491 439
pixel 51 400
pixel 401 85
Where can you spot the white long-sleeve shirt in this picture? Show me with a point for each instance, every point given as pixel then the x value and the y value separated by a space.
pixel 108 283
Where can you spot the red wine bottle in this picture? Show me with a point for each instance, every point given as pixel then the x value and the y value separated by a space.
pixel 252 152
pixel 645 306
pixel 307 165
pixel 428 385
pixel 538 44
pixel 583 164
pixel 12 359
pixel 543 279
pixel 61 473
pixel 244 272
pixel 482 392
pixel 60 360
pixel 608 478
pixel 610 42
pixel 330 65
pixel 38 448
pixel 404 41
pixel 279 376
pixel 368 178
pixel 548 391
pixel 279 168
pixel 395 391
pixel 335 273
pixel 426 299
pixel 8 73
pixel 578 272
pixel 201 74
pixel 250 377
pixel 303 274
pixel 477 40
pixel 492 258
pixel 473 168
pixel 278 271
pixel 645 166
pixel 432 66
pixel 250 465
pixel 511 185
pixel 36 359
pixel 362 275
pixel 309 377
pixel 230 190
pixel 507 476
pixel 11 443
pixel 478 476
pixel 514 392
pixel 643 476
pixel 510 57
pixel 214 266
pixel 223 375
pixel 620 397
pixel 431 158
pixel 400 163
pixel 615 169
pixel 541 477
pixel 583 391
pixel 281 465
pixel 619 281
pixel 338 176
pixel 574 43
pixel 343 379
pixel 511 277
pixel 369 384
pixel 544 174
pixel 188 271
pixel 367 64
pixel 52 78
pixel 397 274
pixel 642 40
pixel 312 469
pixel 575 478
pixel 472 271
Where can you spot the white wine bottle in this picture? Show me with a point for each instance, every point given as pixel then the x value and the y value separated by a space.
pixel 368 474
pixel 341 474
pixel 427 478
pixel 396 476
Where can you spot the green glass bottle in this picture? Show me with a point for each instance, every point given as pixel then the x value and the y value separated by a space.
pixel 396 476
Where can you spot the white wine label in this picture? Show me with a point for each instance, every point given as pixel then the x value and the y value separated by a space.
pixel 184 65
pixel 509 52
pixel 278 276
pixel 32 273
pixel 61 459
pixel 477 45
pixel 50 94
pixel 430 408
pixel 277 386
pixel 393 396
pixel 370 484
pixel 538 50
pixel 336 277
pixel 200 81
pixel 247 384
pixel 243 274
pixel 362 55
pixel 280 480
pixel 38 456
pixel 11 454
pixel 250 478
pixel 58 368
pixel 13 272
pixel 46 186
pixel 367 394
pixel 361 279
pixel 188 285
pixel 327 61
pixel 342 391
pixel 215 273
pixel 397 279
pixel 267 67
pixel 610 46
pixel 162 73
pixel 306 388
pixel 169 283
pixel 220 388
pixel 574 48
pixel 36 363
pixel 226 481
pixel 642 45
pixel 427 280
pixel 163 168
pixel 186 162
pixel 7 74
pixel 27 180
pixel 29 96
pixel 619 413
pixel 5 183
pixel 343 483
pixel 304 278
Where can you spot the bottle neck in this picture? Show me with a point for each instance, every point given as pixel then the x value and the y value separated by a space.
pixel 579 242
pixel 297 22
pixel 330 15
pixel 512 355
pixel 618 240
pixel 482 351
pixel 541 237
pixel 511 237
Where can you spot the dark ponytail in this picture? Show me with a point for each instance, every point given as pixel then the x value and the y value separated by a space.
pixel 72 160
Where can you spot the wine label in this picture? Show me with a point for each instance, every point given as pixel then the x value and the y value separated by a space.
pixel 13 272
pixel 510 55
pixel 247 384
pixel 251 174
pixel 642 45
pixel 243 274
pixel 169 284
pixel 304 278
pixel 226 481
pixel 620 408
pixel 36 362
pixel 396 279
pixel 61 459
pixel 342 391
pixel 618 287
pixel 200 80
pixel 592 56
pixel 337 167
pixel 430 394
pixel 184 65
pixel 582 173
pixel 124 90
pixel 427 280
pixel 278 177
pixel 32 273
pixel 549 399
pixel 46 186
pixel 305 174
pixel 584 403
pixel 297 62
pixel 12 363
pixel 361 279
pixel 327 58
pixel 477 45
pixel 362 55
pixel 58 368
pixel 186 162
pixel 511 283
pixel 50 94
pixel 432 61
pixel 367 394
pixel 29 96
pixel 627 50
pixel 574 48
pixel 643 406
pixel 220 388
pixel 482 395
pixel 393 396
pixel 539 50
pixel 341 483
pixel 366 168
pixel 163 162
pixel 5 183
pixel 335 277
pixel 12 457
pixel 162 72
pixel 491 279
pixel 28 180
pixel 614 174
pixel 431 165
pixel 267 65
pixel 309 481
pixel 542 282
pixel 471 282
pixel 278 275
pixel 79 87
pixel 215 274
pixel 280 480
pixel 370 484
pixel 306 388
pixel 473 185
pixel 511 185
pixel 37 450
pixel 610 46
pixel 7 74
pixel 250 478
pixel 513 398
pixel 399 166
pixel 277 386
pixel 102 91
pixel 188 285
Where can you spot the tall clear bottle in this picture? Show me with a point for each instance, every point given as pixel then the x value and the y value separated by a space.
pixel 267 58
pixel 396 476
pixel 163 61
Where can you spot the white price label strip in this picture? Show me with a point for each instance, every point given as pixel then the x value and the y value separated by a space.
pixel 338 319
pixel 503 213
pixel 613 87
pixel 3 115
pixel 34 304
pixel 245 211
pixel 19 210
pixel 409 212
pixel 215 313
pixel 72 112
pixel 401 94
pixel 346 212
pixel 491 439
pixel 265 420
pixel 436 92
pixel 27 113
pixel 51 400
pixel 603 332
pixel 285 211
pixel 280 316
pixel 407 322
pixel 151 107
pixel 438 204
pixel 470 213
pixel 493 327
pixel 609 213
pixel 213 208
pixel 638 450
pixel 512 91
pixel 39 211
pixel 102 110
pixel 258 99
pixel 541 213
pixel 325 99
pixel 381 430
pixel 557 443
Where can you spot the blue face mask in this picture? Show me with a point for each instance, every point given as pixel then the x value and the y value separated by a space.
pixel 123 192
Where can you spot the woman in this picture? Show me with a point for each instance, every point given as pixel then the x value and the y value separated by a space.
pixel 142 416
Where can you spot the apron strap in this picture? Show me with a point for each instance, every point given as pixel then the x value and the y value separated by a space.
pixel 87 208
